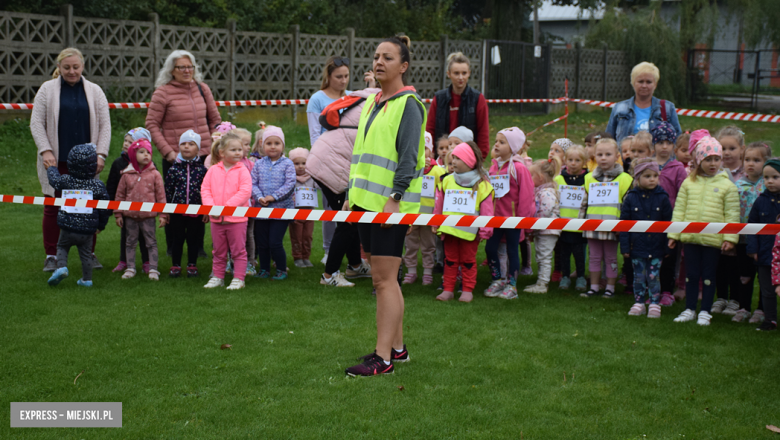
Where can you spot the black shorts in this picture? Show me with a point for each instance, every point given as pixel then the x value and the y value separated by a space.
pixel 379 241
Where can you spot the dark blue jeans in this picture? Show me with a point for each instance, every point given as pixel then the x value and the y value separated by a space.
pixel 701 263
pixel 269 242
pixel 513 256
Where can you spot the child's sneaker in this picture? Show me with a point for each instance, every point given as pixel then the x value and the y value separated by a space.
pixel 236 284
pixel 336 280
pixel 410 278
pixel 250 270
pixel 704 319
pixel 362 271
pixel 129 273
pixel 741 315
pixel 308 263
pixel 638 309
pixel 146 267
pixel 445 296
pixel 654 311
pixel 58 275
pixel 556 276
pixel 581 284
pixel 192 271
pixel 83 283
pixel 280 275
pixel 427 279
pixel 565 283
pixel 608 294
pixel 731 308
pixel 590 293
pixel 263 274
pixel 667 299
pixel 50 264
pixel 214 282
pixel 719 305
pixel 229 267
pixel 466 297
pixel 120 267
pixel 509 292
pixel 767 326
pixel 685 316
pixel 495 288
pixel 527 270
pixel 299 263
pixel 757 318
pixel 539 287
pixel 374 365
pixel 95 263
pixel 395 355
pixel 175 272
pixel 154 275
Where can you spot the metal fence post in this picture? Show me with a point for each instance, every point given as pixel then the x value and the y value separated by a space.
pixel 604 84
pixel 549 74
pixel 578 57
pixel 295 30
pixel 483 80
pixel 231 28
pixel 67 12
pixel 156 59
pixel 445 43
pixel 756 82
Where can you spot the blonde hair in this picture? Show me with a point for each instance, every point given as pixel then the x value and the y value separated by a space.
pixel 166 72
pixel 733 131
pixel 682 141
pixel 257 147
pixel 67 52
pixel 634 163
pixel 576 149
pixel 643 139
pixel 645 67
pixel 459 58
pixel 220 144
pixel 765 149
pixel 241 132
pixel 547 168
pixel 608 141
pixel 327 71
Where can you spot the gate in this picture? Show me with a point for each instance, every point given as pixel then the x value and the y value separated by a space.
pixel 514 71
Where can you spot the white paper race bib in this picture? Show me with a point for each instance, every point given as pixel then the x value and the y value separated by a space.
pixel 461 201
pixel 76 194
pixel 500 184
pixel 572 196
pixel 606 193
pixel 428 187
pixel 306 197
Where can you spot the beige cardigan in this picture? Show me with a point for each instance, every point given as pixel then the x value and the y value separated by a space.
pixel 45 119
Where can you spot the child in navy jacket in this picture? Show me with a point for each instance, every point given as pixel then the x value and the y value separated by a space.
pixel 646 201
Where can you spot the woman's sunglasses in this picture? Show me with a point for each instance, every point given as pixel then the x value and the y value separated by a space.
pixel 341 61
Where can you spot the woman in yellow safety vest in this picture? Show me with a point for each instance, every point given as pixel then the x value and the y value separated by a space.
pixel 386 176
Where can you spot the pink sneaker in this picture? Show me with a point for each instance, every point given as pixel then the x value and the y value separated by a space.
pixel 409 278
pixel 427 280
pixel 146 267
pixel 667 299
pixel 120 267
pixel 445 296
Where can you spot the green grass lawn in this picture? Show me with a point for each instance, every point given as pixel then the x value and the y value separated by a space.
pixel 541 366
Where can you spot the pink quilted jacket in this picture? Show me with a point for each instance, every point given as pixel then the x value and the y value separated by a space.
pixel 176 108
pixel 146 186
pixel 331 154
pixel 227 188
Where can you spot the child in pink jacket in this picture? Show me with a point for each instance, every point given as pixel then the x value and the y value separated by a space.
pixel 514 197
pixel 227 183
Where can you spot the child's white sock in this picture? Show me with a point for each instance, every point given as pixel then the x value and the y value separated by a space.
pixel 412 270
pixel 611 288
pixel 427 271
pixel 53 256
pixel 595 287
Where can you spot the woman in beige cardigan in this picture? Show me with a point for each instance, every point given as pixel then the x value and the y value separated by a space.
pixel 68 110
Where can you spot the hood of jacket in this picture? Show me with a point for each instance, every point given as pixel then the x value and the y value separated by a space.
pixel 672 164
pixel 130 170
pixel 82 161
pixel 658 190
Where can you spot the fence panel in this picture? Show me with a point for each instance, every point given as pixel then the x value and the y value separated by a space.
pixel 263 65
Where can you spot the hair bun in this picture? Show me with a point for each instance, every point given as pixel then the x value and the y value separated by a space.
pixel 406 40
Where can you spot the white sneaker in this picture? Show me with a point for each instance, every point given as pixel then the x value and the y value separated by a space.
pixel 719 305
pixel 363 271
pixel 235 284
pixel 495 288
pixel 129 273
pixel 741 315
pixel 539 287
pixel 508 292
pixel 336 280
pixel 638 309
pixel 704 318
pixel 685 316
pixel 214 282
pixel 324 260
pixel 757 318
pixel 731 308
pixel 154 275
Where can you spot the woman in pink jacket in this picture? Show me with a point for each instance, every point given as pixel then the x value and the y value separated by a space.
pixel 514 195
pixel 227 183
pixel 181 102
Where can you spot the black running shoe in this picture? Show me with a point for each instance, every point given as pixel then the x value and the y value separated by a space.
pixel 192 271
pixel 175 272
pixel 395 356
pixel 767 326
pixel 372 366
pixel 589 293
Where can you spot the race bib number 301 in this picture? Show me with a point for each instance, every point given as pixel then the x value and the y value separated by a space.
pixel 500 184
pixel 604 193
pixel 306 197
pixel 428 187
pixel 461 201
pixel 572 196
pixel 76 194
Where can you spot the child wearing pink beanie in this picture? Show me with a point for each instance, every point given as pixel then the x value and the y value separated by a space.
pixel 301 231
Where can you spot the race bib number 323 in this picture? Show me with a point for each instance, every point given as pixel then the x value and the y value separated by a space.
pixel 306 197
pixel 604 193
pixel 461 201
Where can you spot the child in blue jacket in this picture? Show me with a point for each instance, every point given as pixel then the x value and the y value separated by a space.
pixel 646 201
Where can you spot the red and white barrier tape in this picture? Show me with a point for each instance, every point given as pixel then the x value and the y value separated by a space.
pixel 546 124
pixel 411 219
pixel 732 116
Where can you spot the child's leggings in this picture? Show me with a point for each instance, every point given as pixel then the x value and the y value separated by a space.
pixel 525 251
pixel 83 243
pixel 603 250
pixel 123 248
pixel 647 279
pixel 186 229
pixel 229 236
pixel 491 249
pixel 251 257
pixel 135 228
pixel 269 238
pixel 420 238
pixel 572 243
pixel 727 284
pixel 459 253
pixel 747 275
pixel 768 294
pixel 544 253
pixel 300 237
pixel 701 263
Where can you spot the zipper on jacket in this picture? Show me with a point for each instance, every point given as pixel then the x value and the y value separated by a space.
pixel 192 101
pixel 188 184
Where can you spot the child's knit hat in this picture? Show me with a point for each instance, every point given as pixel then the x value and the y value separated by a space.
pixel 298 152
pixel 429 141
pixel 465 153
pixel 515 138
pixel 462 133
pixel 273 130
pixel 190 136
pixel 141 133
pixel 225 127
pixel 132 151
pixel 664 132
pixel 564 143
pixel 707 146
pixel 696 136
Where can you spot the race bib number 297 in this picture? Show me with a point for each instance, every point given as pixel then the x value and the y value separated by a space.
pixel 604 193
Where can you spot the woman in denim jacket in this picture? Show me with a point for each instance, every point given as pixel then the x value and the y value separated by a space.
pixel 642 112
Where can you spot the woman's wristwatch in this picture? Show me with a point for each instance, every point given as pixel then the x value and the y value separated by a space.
pixel 396 196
